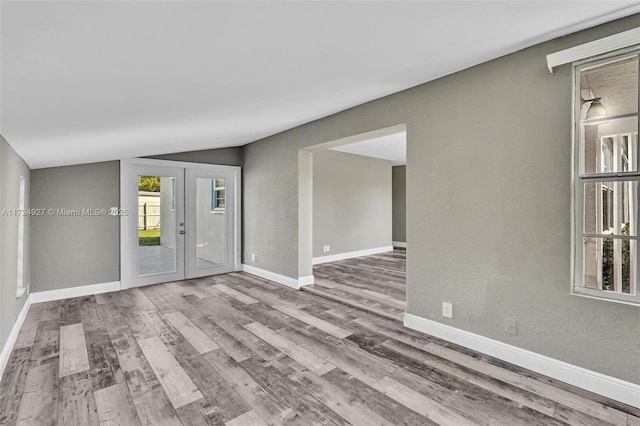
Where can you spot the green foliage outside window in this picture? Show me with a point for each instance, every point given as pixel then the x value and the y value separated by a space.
pixel 608 269
pixel 149 183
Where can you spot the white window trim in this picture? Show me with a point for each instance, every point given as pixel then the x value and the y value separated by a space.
pixel 577 202
pixel 21 287
pixel 594 48
pixel 214 189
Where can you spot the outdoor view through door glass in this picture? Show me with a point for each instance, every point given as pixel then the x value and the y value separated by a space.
pixel 211 222
pixel 156 225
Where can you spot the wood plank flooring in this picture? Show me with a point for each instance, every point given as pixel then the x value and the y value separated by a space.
pixel 239 350
pixel 376 284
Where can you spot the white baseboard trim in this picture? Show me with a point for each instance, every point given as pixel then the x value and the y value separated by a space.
pixel 307 280
pixel 13 336
pixel 401 244
pixel 280 279
pixel 611 387
pixel 351 254
pixel 67 293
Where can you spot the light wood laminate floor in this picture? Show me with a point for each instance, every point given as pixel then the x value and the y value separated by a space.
pixel 238 350
pixel 376 283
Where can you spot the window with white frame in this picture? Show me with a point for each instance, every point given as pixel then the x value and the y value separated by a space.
pixel 217 195
pixel 21 286
pixel 607 176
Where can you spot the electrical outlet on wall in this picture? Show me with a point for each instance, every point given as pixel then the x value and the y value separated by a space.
pixel 328 248
pixel 511 326
pixel 325 248
pixel 253 257
pixel 447 310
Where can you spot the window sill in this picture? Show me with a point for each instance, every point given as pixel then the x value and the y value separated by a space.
pixel 596 294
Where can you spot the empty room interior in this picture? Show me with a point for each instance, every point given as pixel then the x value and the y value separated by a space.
pixel 279 213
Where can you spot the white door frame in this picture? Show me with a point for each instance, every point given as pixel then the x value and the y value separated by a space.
pixel 128 250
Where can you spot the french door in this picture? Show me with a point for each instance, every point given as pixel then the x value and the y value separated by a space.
pixel 178 220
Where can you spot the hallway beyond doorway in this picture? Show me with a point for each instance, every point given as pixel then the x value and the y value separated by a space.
pixel 376 284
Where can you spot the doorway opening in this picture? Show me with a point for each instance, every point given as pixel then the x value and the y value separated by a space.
pixel 352 220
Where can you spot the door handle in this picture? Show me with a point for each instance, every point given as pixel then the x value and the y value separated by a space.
pixel 181 232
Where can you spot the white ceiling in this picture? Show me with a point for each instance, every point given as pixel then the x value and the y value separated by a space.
pixel 390 147
pixel 93 81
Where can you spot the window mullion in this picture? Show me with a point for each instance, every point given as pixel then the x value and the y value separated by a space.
pixel 617 217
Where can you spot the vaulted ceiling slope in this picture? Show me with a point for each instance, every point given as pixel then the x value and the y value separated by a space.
pixel 86 81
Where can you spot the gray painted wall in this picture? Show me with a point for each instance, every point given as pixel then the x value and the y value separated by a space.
pixel 270 204
pixel 70 251
pixel 351 202
pixel 399 197
pixel 11 318
pixel 488 189
pixel 223 156
pixel 11 168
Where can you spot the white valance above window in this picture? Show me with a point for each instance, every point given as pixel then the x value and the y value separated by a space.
pixel 594 48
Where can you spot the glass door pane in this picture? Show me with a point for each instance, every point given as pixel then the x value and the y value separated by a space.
pixel 156 225
pixel 183 221
pixel 211 229
pixel 210 208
